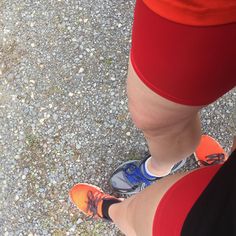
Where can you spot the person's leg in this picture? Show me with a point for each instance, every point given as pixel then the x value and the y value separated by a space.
pixel 157 208
pixel 134 216
pixel 172 130
pixel 163 206
pixel 157 205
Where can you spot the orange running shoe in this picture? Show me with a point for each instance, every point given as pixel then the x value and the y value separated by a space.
pixel 209 152
pixel 89 199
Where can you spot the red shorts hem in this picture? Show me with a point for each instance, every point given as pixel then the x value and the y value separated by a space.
pixel 158 91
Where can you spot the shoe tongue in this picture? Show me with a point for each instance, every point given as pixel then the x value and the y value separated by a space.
pixel 99 208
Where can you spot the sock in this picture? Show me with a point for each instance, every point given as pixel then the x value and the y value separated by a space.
pixel 105 207
pixel 146 168
pixel 146 172
pixel 149 175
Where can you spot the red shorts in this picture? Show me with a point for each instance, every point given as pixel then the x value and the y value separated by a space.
pixel 178 201
pixel 191 65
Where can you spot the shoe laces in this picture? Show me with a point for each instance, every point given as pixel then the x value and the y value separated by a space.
pixel 92 204
pixel 213 159
pixel 135 175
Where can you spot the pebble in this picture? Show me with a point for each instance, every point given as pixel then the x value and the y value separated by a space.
pixel 71 94
pixel 17 157
pixel 79 221
pixel 81 70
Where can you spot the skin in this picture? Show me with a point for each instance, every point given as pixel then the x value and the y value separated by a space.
pixel 172 130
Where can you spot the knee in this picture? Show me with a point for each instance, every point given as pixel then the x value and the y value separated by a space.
pixel 161 122
pixel 148 122
pixel 141 121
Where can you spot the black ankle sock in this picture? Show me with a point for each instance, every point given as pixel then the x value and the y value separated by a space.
pixel 105 207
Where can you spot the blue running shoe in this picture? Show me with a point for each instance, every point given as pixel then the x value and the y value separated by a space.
pixel 131 176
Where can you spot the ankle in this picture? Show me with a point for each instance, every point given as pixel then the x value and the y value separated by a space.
pixel 106 205
pixel 155 169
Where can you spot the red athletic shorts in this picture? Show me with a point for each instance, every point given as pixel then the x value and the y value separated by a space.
pixel 179 199
pixel 191 65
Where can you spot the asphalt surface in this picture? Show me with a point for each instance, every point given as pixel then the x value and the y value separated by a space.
pixel 63 110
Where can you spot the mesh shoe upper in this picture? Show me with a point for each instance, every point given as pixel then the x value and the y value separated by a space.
pixel 210 152
pixel 131 177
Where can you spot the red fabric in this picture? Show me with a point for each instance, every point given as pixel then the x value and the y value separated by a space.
pixel 185 64
pixel 195 12
pixel 178 201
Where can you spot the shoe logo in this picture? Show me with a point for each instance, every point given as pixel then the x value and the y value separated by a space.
pixel 143 186
pixel 213 159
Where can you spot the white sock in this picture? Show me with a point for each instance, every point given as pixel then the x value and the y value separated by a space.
pixel 148 172
pixel 146 167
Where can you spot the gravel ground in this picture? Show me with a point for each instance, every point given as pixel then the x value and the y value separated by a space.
pixel 63 110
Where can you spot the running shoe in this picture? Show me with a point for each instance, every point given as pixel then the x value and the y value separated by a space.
pixel 89 199
pixel 131 177
pixel 209 152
